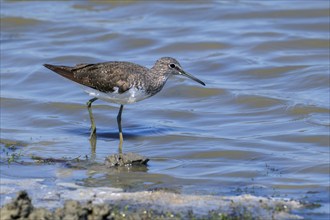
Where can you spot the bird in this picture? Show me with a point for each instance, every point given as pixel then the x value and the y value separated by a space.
pixel 121 82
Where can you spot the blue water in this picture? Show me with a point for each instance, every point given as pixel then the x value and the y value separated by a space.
pixel 260 126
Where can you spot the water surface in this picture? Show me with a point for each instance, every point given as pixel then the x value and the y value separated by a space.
pixel 260 126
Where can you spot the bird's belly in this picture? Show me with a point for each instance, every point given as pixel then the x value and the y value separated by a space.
pixel 130 96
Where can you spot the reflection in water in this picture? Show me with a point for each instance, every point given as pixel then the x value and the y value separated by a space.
pixel 93 141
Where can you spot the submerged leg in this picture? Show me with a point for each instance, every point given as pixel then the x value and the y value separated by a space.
pixel 120 130
pixel 89 105
pixel 92 141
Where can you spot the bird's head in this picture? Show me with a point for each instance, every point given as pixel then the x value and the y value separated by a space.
pixel 171 66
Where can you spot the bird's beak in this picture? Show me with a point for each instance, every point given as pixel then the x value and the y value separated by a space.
pixel 191 77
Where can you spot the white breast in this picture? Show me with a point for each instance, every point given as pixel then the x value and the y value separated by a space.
pixel 128 97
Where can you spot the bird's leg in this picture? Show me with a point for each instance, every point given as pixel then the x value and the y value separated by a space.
pixel 120 130
pixel 92 141
pixel 89 105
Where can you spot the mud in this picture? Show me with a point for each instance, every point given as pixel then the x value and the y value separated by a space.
pixel 126 159
pixel 115 160
pixel 153 205
pixel 22 208
pixel 67 200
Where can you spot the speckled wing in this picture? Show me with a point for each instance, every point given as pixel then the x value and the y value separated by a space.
pixel 105 77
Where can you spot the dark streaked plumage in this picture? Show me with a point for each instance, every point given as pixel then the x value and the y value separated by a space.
pixel 104 76
pixel 121 82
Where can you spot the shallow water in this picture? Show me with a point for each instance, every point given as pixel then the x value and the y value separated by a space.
pixel 260 126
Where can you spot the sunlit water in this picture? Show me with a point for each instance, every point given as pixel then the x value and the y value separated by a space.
pixel 260 126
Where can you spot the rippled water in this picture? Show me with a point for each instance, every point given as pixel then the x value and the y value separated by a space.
pixel 260 126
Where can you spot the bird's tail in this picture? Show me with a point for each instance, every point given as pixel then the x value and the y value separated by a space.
pixel 64 71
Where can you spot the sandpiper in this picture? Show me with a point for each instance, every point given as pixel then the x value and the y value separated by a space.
pixel 121 82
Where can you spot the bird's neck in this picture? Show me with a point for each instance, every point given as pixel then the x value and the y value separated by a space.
pixel 156 81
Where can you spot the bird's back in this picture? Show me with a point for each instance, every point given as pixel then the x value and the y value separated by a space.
pixel 104 77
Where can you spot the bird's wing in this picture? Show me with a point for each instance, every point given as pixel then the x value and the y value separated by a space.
pixel 64 71
pixel 105 77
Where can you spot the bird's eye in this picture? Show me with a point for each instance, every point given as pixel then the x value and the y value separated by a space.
pixel 172 65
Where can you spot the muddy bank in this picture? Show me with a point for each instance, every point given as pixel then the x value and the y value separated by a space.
pixel 152 205
pixel 21 208
pixel 42 198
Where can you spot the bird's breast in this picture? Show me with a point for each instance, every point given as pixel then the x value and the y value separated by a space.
pixel 132 95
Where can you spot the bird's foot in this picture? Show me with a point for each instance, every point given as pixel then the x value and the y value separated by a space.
pixel 121 140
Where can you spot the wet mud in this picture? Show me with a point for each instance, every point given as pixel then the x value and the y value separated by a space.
pixel 152 205
pixel 66 200
pixel 126 159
